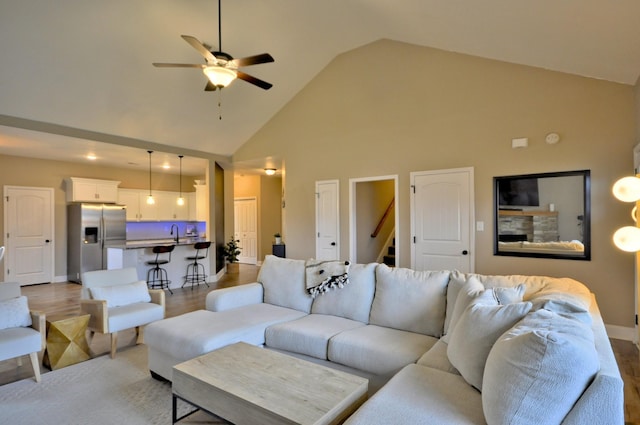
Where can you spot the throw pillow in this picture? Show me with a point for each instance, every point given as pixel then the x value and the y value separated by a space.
pixel 475 333
pixel 14 313
pixel 546 361
pixel 119 295
pixel 509 295
pixel 471 289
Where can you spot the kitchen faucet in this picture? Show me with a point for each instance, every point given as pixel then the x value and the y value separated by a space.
pixel 177 232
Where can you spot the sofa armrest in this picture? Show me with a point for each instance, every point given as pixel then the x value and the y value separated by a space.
pixel 157 297
pixel 99 320
pixel 235 296
pixel 39 323
pixel 603 400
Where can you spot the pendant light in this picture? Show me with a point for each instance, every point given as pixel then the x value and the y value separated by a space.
pixel 180 199
pixel 150 199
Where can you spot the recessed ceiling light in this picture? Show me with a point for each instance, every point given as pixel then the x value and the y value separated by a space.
pixel 91 157
pixel 166 166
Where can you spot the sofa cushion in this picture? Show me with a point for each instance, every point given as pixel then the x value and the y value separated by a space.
pixel 546 360
pixel 377 349
pixel 198 332
pixel 283 280
pixel 421 395
pixel 132 315
pixel 125 294
pixel 14 313
pixel 437 358
pixel 354 300
pixel 16 342
pixel 308 335
pixel 537 287
pixel 475 333
pixel 410 300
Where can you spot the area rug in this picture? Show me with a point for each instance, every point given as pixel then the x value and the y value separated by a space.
pixel 101 391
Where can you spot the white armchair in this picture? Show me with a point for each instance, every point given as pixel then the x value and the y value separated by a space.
pixel 22 331
pixel 117 300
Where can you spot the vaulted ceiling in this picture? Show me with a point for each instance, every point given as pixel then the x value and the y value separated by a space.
pixel 87 64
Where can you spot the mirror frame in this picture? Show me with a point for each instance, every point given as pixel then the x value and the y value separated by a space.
pixel 586 223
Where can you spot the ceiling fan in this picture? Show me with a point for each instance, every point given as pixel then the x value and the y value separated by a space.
pixel 221 68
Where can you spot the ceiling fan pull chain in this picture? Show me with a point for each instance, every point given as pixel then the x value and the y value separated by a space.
pixel 220 104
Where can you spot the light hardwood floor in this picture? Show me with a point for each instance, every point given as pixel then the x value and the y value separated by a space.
pixel 61 299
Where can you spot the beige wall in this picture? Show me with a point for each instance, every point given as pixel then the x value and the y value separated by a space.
pixel 19 171
pixel 637 103
pixel 393 108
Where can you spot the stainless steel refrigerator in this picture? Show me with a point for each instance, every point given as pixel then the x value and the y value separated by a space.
pixel 91 230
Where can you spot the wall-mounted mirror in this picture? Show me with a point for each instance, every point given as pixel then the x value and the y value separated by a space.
pixel 543 215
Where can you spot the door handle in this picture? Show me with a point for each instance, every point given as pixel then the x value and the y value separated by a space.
pixel 465 252
pixel 333 244
pixel 47 240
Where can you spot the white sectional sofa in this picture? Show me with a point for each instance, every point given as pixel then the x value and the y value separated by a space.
pixel 439 347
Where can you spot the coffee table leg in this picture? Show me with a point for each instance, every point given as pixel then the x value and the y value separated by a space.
pixel 174 414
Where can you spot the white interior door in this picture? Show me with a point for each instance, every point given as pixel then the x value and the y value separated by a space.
pixel 246 229
pixel 327 220
pixel 442 218
pixel 28 220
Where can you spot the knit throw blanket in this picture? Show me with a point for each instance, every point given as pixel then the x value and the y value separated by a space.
pixel 323 276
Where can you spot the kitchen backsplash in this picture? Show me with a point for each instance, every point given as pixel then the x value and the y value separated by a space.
pixel 142 230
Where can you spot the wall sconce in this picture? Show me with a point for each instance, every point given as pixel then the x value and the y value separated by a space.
pixel 269 171
pixel 627 189
pixel 150 199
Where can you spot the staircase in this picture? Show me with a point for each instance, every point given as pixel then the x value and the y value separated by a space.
pixel 390 258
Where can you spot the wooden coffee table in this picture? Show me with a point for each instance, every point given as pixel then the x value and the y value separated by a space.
pixel 245 384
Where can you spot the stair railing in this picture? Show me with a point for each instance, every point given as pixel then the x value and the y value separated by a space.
pixel 384 218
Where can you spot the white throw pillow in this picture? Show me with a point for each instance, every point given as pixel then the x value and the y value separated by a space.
pixel 471 289
pixel 509 295
pixel 14 313
pixel 476 331
pixel 119 295
pixel 544 362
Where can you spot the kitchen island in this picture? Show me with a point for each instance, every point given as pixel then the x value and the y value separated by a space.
pixel 137 253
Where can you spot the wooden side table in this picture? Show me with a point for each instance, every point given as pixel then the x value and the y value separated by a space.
pixel 66 341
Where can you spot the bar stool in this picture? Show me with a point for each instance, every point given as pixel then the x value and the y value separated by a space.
pixel 195 270
pixel 157 276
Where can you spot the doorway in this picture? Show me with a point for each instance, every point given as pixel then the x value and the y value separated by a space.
pixel 373 219
pixel 29 223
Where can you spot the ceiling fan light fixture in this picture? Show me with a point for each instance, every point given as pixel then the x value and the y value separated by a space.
pixel 220 76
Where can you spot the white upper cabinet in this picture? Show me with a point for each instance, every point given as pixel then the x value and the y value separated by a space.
pixel 165 208
pixel 91 190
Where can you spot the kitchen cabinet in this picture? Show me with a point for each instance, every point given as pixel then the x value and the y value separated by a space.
pixel 202 202
pixel 91 190
pixel 165 208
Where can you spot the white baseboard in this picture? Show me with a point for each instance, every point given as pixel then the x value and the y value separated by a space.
pixel 621 332
pixel 219 275
pixel 58 279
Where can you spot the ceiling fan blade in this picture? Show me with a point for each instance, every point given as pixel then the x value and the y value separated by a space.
pixel 253 80
pixel 253 60
pixel 196 44
pixel 178 65
pixel 210 86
